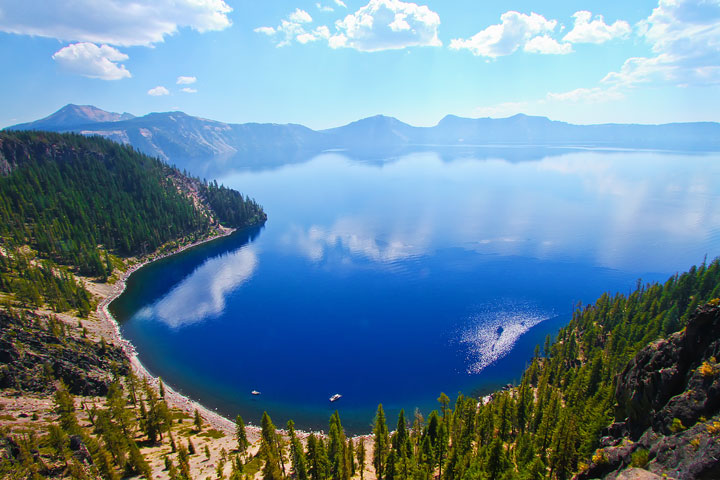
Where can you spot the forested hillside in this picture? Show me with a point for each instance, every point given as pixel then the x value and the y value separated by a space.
pixel 75 201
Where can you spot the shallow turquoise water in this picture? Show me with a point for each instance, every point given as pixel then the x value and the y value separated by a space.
pixel 395 279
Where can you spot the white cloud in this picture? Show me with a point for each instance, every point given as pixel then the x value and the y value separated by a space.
pixel 588 30
pixel 379 25
pixel 340 3
pixel 685 37
pixel 186 80
pixel 300 16
pixel 547 45
pixel 158 91
pixel 265 30
pixel 587 95
pixel 516 30
pixel 291 29
pixel 324 8
pixel 140 22
pixel 188 90
pixel 386 25
pixel 89 60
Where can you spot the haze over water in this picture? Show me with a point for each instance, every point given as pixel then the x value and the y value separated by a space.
pixel 392 280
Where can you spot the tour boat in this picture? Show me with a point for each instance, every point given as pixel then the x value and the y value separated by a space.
pixel 335 397
pixel 255 392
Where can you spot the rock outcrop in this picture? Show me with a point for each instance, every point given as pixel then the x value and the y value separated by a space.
pixel 668 407
pixel 35 352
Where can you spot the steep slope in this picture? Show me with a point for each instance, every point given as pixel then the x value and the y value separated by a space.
pixel 65 194
pixel 668 406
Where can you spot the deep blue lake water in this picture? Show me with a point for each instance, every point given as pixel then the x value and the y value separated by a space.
pixel 395 279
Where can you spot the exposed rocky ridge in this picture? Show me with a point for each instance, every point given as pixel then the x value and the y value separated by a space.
pixel 36 351
pixel 668 405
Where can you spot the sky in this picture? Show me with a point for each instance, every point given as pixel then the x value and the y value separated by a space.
pixel 325 63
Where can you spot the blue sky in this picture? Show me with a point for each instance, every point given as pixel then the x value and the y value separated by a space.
pixel 329 62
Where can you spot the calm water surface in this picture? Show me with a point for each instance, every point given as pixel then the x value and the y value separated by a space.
pixel 394 280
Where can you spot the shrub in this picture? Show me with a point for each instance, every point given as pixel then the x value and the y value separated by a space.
pixel 600 457
pixel 706 370
pixel 677 426
pixel 640 458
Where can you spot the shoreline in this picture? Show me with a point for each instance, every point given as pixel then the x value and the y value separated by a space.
pixel 173 398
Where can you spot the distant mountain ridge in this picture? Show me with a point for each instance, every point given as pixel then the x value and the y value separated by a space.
pixel 199 144
pixel 72 116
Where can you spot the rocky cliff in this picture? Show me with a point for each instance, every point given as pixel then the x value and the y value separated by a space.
pixel 667 417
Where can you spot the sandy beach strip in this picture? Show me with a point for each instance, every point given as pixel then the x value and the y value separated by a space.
pixel 173 398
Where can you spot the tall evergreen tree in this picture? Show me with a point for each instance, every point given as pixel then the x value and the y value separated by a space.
pixel 381 442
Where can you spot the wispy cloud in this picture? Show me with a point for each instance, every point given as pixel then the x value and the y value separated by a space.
pixel 188 90
pixel 108 22
pixel 588 95
pixel 291 29
pixel 92 61
pixel 142 22
pixel 685 37
pixel 186 80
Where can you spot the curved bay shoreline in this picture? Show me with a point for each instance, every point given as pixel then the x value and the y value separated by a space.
pixel 174 398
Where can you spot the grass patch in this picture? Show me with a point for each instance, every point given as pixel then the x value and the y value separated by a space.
pixel 6 417
pixel 213 433
pixel 176 414
pixel 253 467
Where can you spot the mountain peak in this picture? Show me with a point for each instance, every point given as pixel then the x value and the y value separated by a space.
pixel 71 116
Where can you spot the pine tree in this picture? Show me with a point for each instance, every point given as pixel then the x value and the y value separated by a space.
pixel 269 450
pixel 297 455
pixel 381 442
pixel 242 439
pixel 360 452
pixel 198 421
pixel 336 449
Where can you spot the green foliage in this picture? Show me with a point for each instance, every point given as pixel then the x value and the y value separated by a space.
pixel 640 458
pixel 71 193
pixel 231 208
pixel 242 439
pixel 677 426
pixel 68 194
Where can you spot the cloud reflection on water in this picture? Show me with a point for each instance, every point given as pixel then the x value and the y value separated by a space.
pixel 601 208
pixel 202 294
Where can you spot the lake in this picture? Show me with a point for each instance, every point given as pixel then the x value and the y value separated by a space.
pixel 393 278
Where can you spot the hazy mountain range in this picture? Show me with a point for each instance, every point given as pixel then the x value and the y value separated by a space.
pixel 199 144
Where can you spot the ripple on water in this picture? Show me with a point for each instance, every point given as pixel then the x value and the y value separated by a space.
pixel 491 334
